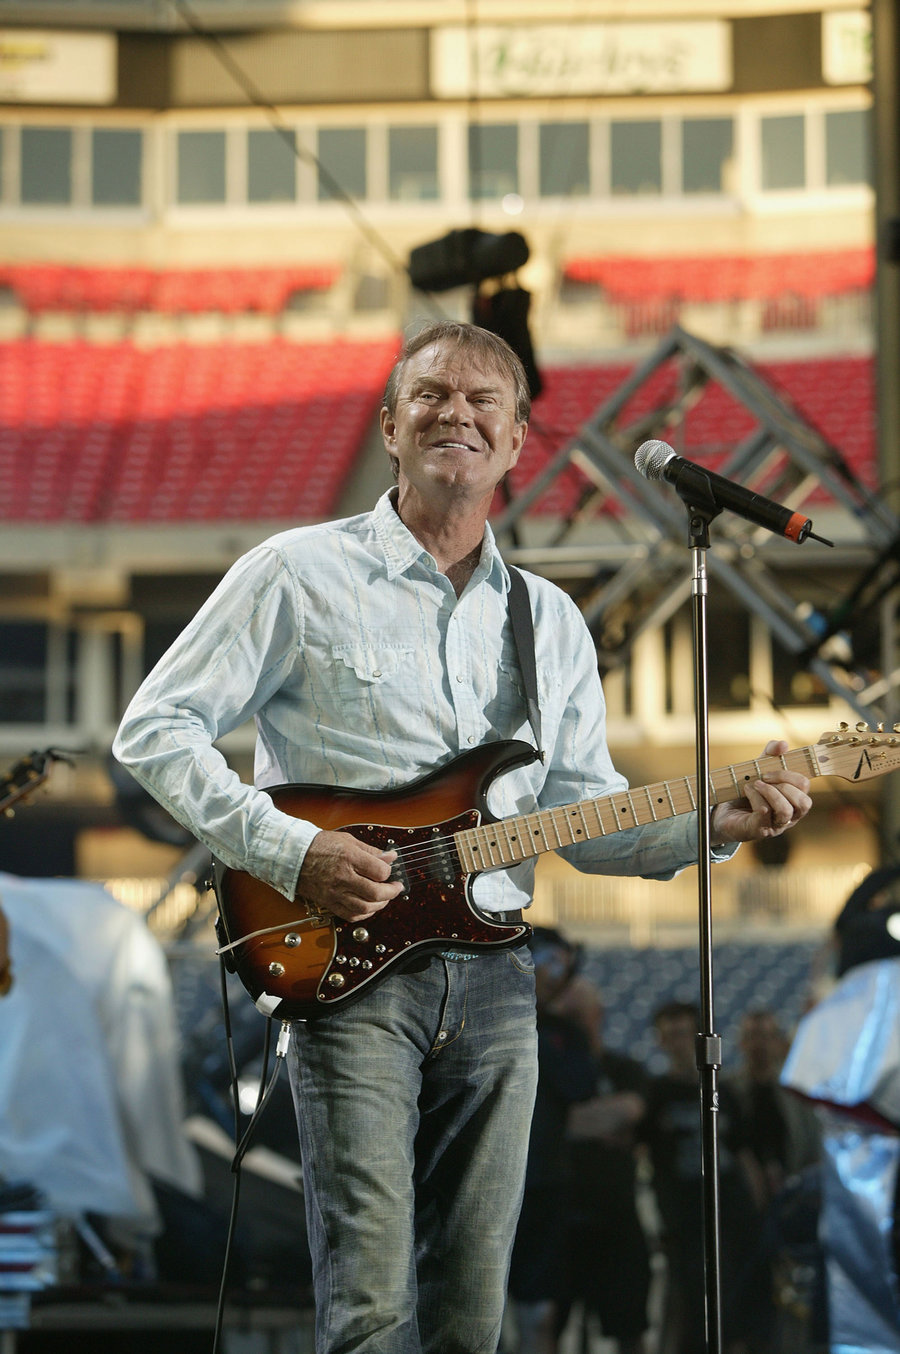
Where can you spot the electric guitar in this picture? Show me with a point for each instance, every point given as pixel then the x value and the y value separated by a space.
pixel 297 962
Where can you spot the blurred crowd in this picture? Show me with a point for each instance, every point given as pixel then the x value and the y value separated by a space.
pixel 610 1237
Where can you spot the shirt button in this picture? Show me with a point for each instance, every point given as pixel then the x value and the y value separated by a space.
pixel 459 677
pixel 471 738
pixel 377 672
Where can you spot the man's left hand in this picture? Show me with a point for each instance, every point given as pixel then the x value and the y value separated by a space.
pixel 770 805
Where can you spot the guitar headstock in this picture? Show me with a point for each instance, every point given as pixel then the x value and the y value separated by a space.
pixel 860 752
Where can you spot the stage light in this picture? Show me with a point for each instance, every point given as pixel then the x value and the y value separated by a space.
pixel 465 258
pixel 505 312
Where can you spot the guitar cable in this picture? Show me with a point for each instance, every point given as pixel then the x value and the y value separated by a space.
pixel 242 1142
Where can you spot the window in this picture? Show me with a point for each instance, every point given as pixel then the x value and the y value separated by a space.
pixel 493 160
pixel 792 682
pixel 707 145
pixel 564 159
pixel 636 157
pixel 783 152
pixel 271 166
pixel 847 148
pixel 46 165
pixel 412 164
pixel 342 156
pixel 729 684
pixel 23 672
pixel 201 167
pixel 116 163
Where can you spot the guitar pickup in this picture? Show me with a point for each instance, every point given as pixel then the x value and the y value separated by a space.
pixel 398 871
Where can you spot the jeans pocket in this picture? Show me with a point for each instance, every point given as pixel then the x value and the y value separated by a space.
pixel 522 959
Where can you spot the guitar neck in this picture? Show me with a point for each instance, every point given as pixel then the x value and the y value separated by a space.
pixel 512 840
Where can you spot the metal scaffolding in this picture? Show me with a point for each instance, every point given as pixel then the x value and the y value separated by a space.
pixel 635 558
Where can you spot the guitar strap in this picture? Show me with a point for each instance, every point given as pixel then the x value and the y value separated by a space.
pixel 522 623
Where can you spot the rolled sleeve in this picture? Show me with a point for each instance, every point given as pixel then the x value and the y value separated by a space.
pixel 217 674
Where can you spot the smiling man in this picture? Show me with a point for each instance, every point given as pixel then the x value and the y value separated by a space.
pixel 372 651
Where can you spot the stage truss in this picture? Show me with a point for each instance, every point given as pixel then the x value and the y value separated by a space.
pixel 629 536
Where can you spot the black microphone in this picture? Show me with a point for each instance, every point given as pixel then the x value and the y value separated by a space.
pixel 706 490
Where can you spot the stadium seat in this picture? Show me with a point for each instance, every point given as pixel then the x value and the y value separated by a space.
pixel 214 432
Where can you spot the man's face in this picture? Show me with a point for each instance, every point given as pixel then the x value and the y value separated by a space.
pixel 454 426
pixel 762 1043
pixel 677 1035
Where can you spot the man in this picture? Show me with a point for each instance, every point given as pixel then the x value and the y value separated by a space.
pixel 782 1130
pixel 371 651
pixel 672 1130
pixel 609 1261
pixel 538 1273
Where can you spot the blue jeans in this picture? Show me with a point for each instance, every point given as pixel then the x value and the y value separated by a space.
pixel 414 1109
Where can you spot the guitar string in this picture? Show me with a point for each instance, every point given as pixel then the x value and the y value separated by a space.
pixel 424 854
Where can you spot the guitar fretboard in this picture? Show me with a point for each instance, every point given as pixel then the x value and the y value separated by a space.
pixel 516 839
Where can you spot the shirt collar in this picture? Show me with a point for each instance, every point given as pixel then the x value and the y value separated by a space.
pixel 402 550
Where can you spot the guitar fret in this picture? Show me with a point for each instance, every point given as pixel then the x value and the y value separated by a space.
pixel 688 785
pixel 511 850
pixel 650 805
pixel 598 814
pixel 534 833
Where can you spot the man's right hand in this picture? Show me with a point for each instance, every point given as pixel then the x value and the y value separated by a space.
pixel 347 877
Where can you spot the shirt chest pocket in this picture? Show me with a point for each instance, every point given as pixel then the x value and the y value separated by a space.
pixel 362 671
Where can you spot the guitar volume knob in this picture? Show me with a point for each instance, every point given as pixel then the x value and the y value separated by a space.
pixel 276 969
pixel 360 935
pixel 336 980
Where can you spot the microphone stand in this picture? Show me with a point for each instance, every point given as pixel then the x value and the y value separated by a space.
pixel 708 1043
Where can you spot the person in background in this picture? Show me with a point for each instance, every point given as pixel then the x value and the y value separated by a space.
pixel 538 1280
pixel 608 1258
pixel 782 1131
pixel 672 1131
pixel 845 1060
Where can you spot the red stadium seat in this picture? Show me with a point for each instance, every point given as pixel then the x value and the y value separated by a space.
pixel 42 287
pixel 713 277
pixel 219 432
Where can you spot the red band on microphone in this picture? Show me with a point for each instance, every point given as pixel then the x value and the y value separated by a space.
pixel 797 528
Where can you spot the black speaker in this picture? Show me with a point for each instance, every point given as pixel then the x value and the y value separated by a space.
pixel 465 258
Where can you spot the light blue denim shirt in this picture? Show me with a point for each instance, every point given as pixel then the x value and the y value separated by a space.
pixel 362 668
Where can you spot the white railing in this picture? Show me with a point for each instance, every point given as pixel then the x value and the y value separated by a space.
pixel 642 910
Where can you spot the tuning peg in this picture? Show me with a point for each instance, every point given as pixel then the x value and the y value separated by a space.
pixel 862 727
pixel 879 728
